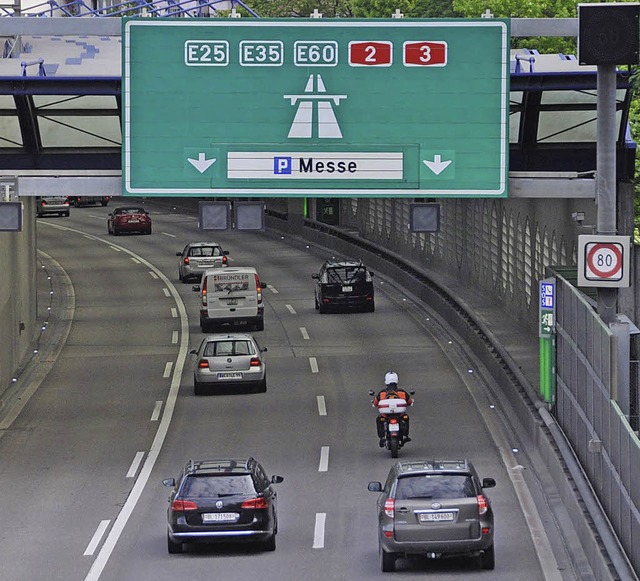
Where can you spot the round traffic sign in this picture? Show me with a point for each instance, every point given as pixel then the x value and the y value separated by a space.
pixel 604 261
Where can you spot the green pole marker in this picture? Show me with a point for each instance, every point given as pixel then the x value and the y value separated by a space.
pixel 545 368
pixel 547 330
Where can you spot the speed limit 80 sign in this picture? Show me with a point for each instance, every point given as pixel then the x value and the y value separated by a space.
pixel 603 261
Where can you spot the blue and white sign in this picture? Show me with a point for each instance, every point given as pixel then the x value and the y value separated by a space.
pixel 547 315
pixel 547 295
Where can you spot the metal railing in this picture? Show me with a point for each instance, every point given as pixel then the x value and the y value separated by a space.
pixel 149 8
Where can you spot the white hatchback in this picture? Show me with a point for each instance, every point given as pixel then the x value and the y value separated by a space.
pixel 229 361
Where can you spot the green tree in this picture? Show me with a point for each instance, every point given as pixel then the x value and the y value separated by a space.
pixel 301 8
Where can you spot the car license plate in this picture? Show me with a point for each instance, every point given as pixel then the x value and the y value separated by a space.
pixel 435 517
pixel 134 221
pixel 229 375
pixel 394 427
pixel 219 517
pixel 232 301
pixel 347 289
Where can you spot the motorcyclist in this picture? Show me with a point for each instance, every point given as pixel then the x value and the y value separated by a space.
pixel 391 390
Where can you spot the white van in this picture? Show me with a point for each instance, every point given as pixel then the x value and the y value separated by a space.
pixel 230 295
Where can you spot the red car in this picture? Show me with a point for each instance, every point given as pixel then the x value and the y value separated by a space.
pixel 129 219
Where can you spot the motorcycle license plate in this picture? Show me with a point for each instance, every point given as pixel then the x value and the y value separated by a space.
pixel 394 427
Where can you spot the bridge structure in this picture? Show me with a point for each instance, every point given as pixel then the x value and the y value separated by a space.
pixel 60 132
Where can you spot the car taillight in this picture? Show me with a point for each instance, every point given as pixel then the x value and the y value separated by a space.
pixel 255 503
pixel 224 260
pixel 389 507
pixel 255 362
pixel 483 505
pixel 186 260
pixel 184 505
pixel 204 292
pixel 203 364
pixel 258 289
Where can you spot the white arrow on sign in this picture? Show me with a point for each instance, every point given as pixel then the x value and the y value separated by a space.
pixel 437 166
pixel 202 164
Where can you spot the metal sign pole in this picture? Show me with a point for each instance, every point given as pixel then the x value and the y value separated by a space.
pixel 606 175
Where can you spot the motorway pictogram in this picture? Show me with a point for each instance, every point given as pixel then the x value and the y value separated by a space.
pixel 327 126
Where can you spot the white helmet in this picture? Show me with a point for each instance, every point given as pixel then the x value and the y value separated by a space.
pixel 391 377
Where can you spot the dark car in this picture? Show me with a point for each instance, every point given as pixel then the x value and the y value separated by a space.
pixel 196 257
pixel 52 205
pixel 435 508
pixel 344 285
pixel 129 219
pixel 225 500
pixel 80 201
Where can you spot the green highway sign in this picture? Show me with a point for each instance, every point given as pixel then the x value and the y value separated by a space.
pixel 327 108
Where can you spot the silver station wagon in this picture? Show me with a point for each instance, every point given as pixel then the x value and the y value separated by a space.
pixel 229 362
pixel 434 508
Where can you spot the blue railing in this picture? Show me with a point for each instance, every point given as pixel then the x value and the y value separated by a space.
pixel 151 8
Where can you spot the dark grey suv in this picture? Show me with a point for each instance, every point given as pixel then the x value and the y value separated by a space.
pixel 435 508
pixel 227 500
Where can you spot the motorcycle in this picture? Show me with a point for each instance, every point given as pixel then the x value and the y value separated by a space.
pixel 392 410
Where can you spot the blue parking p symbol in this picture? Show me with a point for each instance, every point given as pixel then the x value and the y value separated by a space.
pixel 282 165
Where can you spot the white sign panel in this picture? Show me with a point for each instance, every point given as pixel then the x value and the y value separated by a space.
pixel 603 261
pixel 266 165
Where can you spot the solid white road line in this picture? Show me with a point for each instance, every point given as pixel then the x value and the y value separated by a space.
pixel 133 469
pixel 324 459
pixel 100 562
pixel 291 309
pixel 322 407
pixel 96 538
pixel 156 411
pixel 318 531
pixel 314 364
pixel 305 335
pixel 167 369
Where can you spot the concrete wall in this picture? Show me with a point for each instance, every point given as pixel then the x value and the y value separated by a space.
pixel 18 307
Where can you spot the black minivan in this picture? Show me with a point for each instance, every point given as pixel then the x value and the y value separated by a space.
pixel 344 285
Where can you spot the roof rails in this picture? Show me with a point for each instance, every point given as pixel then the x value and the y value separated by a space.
pixel 228 464
pixel 459 464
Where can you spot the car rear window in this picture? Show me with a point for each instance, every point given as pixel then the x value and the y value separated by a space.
pixel 131 211
pixel 200 487
pixel 230 347
pixel 346 274
pixel 205 251
pixel 435 486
